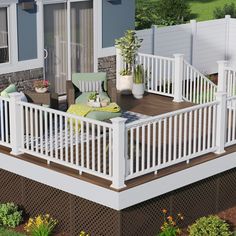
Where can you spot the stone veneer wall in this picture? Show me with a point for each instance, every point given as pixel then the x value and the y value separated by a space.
pixel 23 79
pixel 108 65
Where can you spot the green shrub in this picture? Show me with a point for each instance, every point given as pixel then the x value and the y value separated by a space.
pixel 227 9
pixel 211 226
pixel 10 215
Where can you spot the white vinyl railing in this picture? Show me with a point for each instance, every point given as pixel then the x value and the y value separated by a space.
pixel 118 151
pixel 4 122
pixel 171 138
pixel 73 141
pixel 159 73
pixel 231 121
pixel 197 88
pixel 230 79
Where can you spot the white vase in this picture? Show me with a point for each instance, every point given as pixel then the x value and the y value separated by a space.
pixel 125 83
pixel 41 90
pixel 138 90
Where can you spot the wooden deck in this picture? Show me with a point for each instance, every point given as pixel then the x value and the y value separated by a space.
pixel 150 105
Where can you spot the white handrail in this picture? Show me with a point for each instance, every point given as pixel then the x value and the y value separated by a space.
pixel 197 88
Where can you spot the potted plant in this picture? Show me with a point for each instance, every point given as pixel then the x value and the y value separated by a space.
pixel 138 85
pixel 41 86
pixel 128 46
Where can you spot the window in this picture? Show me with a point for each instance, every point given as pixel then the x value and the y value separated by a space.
pixel 4 47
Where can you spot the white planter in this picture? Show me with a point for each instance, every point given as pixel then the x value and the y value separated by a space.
pixel 138 90
pixel 41 90
pixel 125 83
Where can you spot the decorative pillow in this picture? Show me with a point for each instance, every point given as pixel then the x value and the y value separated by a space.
pixel 10 89
pixel 23 98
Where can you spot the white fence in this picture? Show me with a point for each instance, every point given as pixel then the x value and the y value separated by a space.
pixel 118 151
pixel 159 73
pixel 171 138
pixel 202 43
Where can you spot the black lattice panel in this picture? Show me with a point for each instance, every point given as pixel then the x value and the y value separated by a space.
pixel 227 190
pixel 93 218
pixel 144 218
pixel 195 200
pixel 10 187
pixel 40 198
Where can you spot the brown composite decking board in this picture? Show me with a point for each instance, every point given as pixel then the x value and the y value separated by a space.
pixel 149 105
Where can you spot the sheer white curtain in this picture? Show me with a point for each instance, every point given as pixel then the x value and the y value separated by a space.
pixel 82 36
pixel 3 27
pixel 4 52
pixel 55 41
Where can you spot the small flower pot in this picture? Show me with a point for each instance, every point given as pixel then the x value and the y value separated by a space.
pixel 41 90
pixel 138 90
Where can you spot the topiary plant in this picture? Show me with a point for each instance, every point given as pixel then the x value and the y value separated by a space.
pixel 10 215
pixel 210 226
pixel 128 45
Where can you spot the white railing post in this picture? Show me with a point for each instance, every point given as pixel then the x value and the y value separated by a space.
pixel 118 164
pixel 15 124
pixel 221 76
pixel 221 122
pixel 119 63
pixel 178 77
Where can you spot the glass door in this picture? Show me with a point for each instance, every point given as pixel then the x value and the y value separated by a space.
pixel 56 45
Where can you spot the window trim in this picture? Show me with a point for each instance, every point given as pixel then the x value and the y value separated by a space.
pixel 14 65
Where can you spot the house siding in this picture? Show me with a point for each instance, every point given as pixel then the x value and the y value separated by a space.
pixel 117 17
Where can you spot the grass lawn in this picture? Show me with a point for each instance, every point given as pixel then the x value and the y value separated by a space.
pixel 201 9
pixel 5 232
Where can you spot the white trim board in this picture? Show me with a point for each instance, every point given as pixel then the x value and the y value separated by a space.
pixel 110 198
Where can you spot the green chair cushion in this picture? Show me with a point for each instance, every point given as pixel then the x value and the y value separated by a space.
pixel 10 89
pixel 103 115
pixel 84 97
pixel 100 76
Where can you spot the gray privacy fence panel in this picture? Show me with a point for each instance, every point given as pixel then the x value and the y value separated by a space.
pixel 209 45
pixel 147 44
pixel 173 39
pixel 202 43
pixel 232 43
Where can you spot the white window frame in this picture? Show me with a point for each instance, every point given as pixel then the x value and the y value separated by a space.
pixel 14 65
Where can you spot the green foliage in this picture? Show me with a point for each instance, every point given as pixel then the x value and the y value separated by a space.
pixel 138 74
pixel 10 216
pixel 227 9
pixel 6 232
pixel 128 45
pixel 146 15
pixel 211 226
pixel 93 96
pixel 161 12
pixel 172 12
